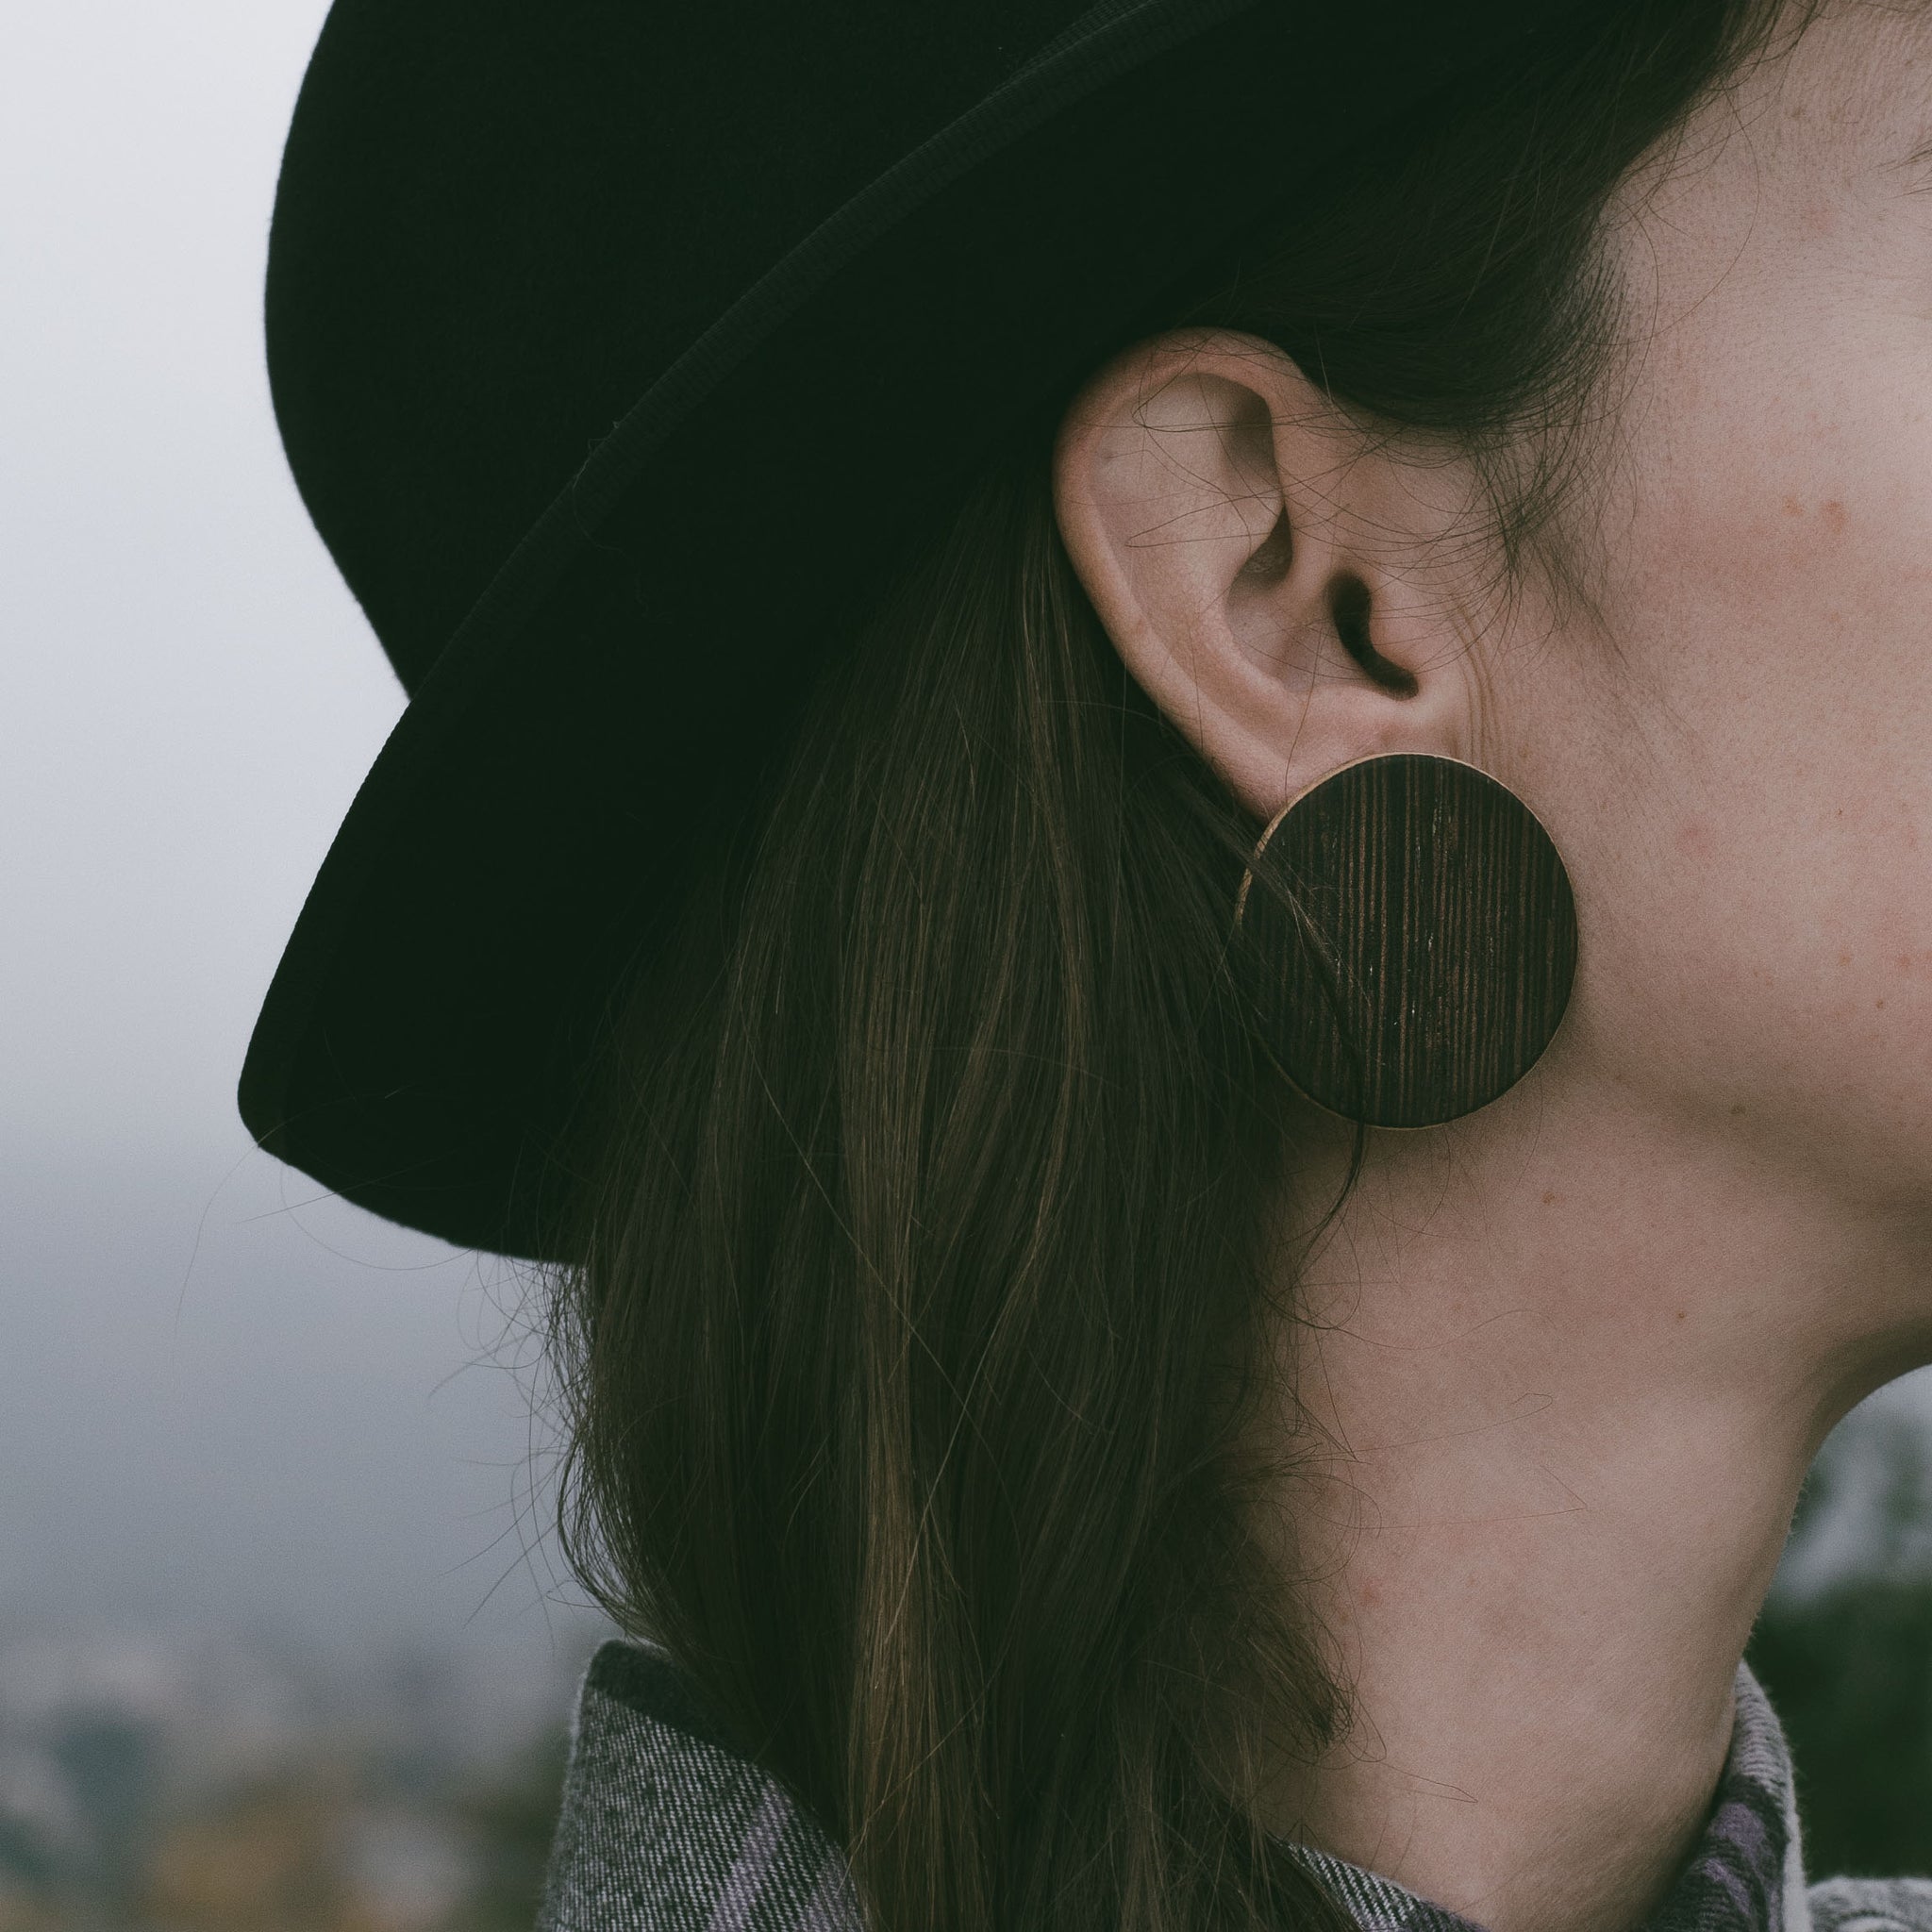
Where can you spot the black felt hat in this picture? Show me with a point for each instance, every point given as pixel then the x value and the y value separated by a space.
pixel 607 339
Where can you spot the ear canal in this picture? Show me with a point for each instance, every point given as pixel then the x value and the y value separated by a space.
pixel 1348 607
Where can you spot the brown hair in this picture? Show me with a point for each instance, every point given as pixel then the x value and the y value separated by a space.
pixel 926 1262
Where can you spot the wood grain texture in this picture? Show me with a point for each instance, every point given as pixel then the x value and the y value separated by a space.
pixel 1408 935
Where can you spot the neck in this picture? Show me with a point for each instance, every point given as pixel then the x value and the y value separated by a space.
pixel 1561 1383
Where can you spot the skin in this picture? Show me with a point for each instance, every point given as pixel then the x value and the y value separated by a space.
pixel 1562 1364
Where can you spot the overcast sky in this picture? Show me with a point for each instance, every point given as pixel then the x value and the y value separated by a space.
pixel 218 1396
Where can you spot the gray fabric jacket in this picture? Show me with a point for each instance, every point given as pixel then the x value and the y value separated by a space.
pixel 663 1828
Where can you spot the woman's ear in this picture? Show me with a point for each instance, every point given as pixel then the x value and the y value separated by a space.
pixel 1265 575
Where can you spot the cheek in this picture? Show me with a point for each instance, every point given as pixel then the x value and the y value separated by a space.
pixel 1758 803
pixel 1767 972
pixel 1762 837
pixel 1774 959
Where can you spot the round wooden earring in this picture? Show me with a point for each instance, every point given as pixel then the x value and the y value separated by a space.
pixel 1407 934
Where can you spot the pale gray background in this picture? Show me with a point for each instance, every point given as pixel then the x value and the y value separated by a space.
pixel 224 1404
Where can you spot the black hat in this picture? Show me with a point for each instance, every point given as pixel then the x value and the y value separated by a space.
pixel 606 341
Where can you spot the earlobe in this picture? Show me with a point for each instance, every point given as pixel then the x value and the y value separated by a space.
pixel 1245 555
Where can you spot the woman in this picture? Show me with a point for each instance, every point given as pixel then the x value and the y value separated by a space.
pixel 881 516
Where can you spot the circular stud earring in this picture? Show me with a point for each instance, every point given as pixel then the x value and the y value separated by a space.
pixel 1406 935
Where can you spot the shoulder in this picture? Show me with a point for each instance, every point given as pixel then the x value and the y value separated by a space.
pixel 1872 1905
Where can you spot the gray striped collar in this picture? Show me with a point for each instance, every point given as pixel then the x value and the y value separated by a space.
pixel 664 1828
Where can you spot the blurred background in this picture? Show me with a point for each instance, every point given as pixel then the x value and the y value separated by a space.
pixel 284 1642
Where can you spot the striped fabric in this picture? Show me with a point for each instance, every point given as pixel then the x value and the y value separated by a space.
pixel 664 1828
